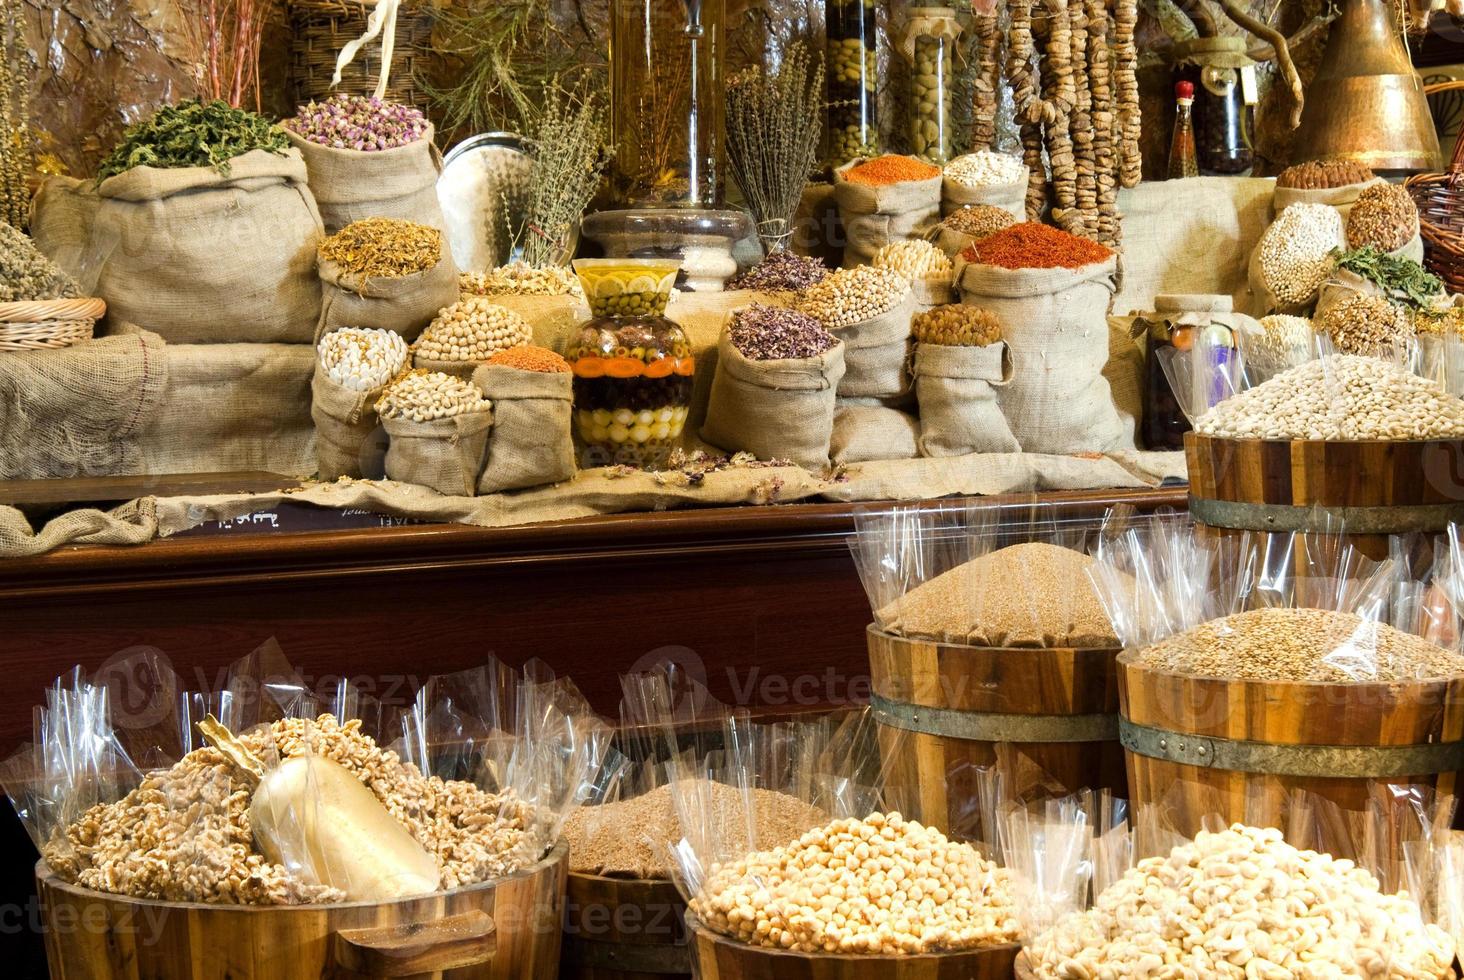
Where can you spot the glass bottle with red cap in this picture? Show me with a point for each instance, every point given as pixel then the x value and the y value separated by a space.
pixel 1182 161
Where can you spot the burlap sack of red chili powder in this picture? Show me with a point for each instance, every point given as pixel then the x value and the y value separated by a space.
pixel 1056 324
pixel 874 215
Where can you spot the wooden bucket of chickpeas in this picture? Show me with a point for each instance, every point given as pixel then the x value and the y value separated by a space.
pixel 1232 718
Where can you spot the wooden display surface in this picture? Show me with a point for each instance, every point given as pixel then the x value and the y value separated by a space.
pixel 721 958
pixel 623 929
pixel 503 930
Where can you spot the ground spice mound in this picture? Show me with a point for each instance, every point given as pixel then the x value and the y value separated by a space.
pixel 1036 246
pixel 532 358
pixel 890 169
pixel 1028 595
pixel 1300 645
pixel 613 839
pixel 184 834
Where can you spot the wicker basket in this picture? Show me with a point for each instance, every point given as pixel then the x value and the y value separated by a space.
pixel 1440 200
pixel 48 324
pixel 320 28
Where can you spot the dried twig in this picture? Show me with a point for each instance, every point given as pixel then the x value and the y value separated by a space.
pixel 569 156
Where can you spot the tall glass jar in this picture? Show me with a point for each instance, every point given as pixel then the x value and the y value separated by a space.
pixel 633 368
pixel 1224 79
pixel 930 44
pixel 666 112
pixel 852 71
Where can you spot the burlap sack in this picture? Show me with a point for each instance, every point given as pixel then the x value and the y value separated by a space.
pixel 1342 198
pixel 865 433
pixel 402 304
pixel 200 257
pixel 444 454
pixel 1340 285
pixel 930 293
pixel 950 241
pixel 1056 324
pixel 1011 198
pixel 458 369
pixel 348 437
pixel 774 409
pixel 875 216
pixel 877 354
pixel 353 184
pixel 532 443
pixel 956 388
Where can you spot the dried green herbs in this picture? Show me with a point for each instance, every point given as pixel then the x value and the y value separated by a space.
pixel 569 156
pixel 193 134
pixel 1404 280
pixel 26 274
pixel 383 247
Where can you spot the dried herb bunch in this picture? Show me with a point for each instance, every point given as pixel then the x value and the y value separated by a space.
pixel 773 127
pixel 569 157
pixel 15 134
pixel 193 134
pixel 1404 280
pixel 227 37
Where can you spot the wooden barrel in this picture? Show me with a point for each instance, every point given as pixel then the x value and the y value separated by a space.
pixel 1239 746
pixel 1049 716
pixel 719 957
pixel 1374 488
pixel 623 929
pixel 502 930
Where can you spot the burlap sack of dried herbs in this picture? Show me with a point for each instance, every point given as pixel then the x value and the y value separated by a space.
pixel 774 409
pixel 199 256
pixel 876 215
pixel 1056 324
pixel 353 184
pixel 348 436
pixel 877 354
pixel 865 433
pixel 532 443
pixel 957 387
pixel 401 302
pixel 445 454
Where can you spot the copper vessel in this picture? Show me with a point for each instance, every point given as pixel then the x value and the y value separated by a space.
pixel 1366 102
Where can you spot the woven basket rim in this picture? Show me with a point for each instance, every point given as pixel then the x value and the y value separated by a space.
pixel 46 310
pixel 45 334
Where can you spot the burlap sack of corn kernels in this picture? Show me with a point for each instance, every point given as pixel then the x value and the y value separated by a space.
pixel 782 409
pixel 1011 198
pixel 444 454
pixel 1056 324
pixel 349 440
pixel 864 433
pixel 876 215
pixel 401 304
pixel 532 443
pixel 877 354
pixel 198 256
pixel 353 184
pixel 1342 198
pixel 956 388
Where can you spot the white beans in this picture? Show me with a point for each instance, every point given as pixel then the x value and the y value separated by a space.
pixel 1295 252
pixel 362 360
pixel 985 169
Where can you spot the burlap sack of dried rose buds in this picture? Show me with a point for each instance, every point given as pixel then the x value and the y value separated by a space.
pixel 444 454
pixel 956 388
pixel 532 443
pixel 402 304
pixel 779 409
pixel 349 440
pixel 876 215
pixel 353 184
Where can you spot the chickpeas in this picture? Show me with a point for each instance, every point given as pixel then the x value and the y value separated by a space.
pixel 472 330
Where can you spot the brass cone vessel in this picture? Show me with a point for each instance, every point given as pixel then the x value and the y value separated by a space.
pixel 1366 102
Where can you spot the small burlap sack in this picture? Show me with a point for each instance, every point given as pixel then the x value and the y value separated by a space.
pixel 532 443
pixel 1056 324
pixel 865 433
pixel 780 409
pixel 458 369
pixel 950 241
pixel 1011 198
pixel 874 216
pixel 877 354
pixel 353 184
pixel 1342 198
pixel 201 257
pixel 348 436
pixel 956 388
pixel 402 304
pixel 930 293
pixel 444 454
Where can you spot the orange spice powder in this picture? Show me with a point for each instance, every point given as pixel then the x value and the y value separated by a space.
pixel 1036 246
pixel 530 358
pixel 890 169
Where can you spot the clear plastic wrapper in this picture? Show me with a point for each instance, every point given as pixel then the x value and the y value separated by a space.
pixel 985 574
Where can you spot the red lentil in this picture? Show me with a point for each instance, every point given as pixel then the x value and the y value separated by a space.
pixel 529 358
pixel 1036 246
pixel 890 169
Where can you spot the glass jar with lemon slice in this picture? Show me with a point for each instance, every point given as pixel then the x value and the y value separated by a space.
pixel 632 366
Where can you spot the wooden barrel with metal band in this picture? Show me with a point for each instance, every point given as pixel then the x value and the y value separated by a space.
pixel 1047 716
pixel 623 929
pixel 1374 488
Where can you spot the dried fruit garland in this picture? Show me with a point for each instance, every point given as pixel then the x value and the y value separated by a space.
pixel 988 78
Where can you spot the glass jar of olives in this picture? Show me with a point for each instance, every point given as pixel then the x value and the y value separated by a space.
pixel 930 46
pixel 851 69
pixel 633 367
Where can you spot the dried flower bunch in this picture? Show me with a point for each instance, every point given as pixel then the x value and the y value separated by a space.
pixel 355 122
pixel 386 247
pixel 569 157
pixel 772 333
pixel 1324 174
pixel 782 272
pixel 193 134
pixel 26 274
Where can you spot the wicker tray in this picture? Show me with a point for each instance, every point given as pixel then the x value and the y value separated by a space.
pixel 320 28
pixel 48 324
